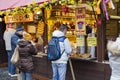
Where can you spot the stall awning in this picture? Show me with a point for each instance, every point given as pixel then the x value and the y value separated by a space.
pixel 8 4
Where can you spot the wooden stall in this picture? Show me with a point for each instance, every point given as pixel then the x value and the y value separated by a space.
pixel 75 16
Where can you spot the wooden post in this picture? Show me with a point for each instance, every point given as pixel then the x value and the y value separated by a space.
pixel 101 36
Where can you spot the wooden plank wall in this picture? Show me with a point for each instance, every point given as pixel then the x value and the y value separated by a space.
pixel 88 70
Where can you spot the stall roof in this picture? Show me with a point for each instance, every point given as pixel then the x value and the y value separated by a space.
pixel 8 4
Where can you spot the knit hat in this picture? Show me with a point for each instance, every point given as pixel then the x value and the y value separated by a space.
pixel 27 36
pixel 19 28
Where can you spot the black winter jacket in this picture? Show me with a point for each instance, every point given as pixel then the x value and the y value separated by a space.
pixel 26 50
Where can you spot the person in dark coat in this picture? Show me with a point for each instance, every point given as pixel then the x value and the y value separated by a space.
pixel 14 41
pixel 3 53
pixel 26 50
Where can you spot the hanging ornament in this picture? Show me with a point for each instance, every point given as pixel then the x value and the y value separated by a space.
pixel 111 5
pixel 41 5
pixel 1 12
pixel 33 2
pixel 72 1
pixel 65 9
pixel 8 12
pixel 105 8
pixel 98 7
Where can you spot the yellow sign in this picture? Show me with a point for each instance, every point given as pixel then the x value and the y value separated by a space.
pixel 19 18
pixel 92 41
pixel 80 41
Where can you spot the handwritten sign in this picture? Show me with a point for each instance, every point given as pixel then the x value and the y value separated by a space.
pixel 92 41
pixel 80 41
pixel 80 20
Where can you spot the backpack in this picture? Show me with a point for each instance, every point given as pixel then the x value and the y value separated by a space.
pixel 53 51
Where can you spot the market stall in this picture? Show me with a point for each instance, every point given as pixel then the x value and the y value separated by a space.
pixel 86 64
pixel 87 31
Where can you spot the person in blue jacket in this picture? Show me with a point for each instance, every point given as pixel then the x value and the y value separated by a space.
pixel 14 41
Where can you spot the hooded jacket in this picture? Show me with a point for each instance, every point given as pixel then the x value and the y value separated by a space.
pixel 114 58
pixel 14 40
pixel 26 50
pixel 63 45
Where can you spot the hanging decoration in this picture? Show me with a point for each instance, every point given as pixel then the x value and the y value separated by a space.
pixel 65 9
pixel 105 2
pixel 105 8
pixel 92 3
pixel 34 7
pixel 111 5
pixel 40 27
pixel 1 13
pixel 48 11
pixel 98 7
pixel 71 2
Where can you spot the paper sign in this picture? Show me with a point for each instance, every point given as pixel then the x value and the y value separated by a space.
pixel 80 41
pixel 92 41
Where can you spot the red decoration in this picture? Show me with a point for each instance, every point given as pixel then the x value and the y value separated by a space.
pixel 99 22
pixel 65 9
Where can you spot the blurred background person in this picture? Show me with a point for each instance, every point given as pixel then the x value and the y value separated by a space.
pixel 10 30
pixel 113 48
pixel 14 41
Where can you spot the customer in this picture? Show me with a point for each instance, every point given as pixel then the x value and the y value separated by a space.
pixel 14 41
pixel 7 37
pixel 59 66
pixel 26 50
pixel 114 58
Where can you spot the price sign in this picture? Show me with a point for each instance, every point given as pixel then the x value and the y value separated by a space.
pixel 92 41
pixel 80 41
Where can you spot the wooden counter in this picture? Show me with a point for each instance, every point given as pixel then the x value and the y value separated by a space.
pixel 83 69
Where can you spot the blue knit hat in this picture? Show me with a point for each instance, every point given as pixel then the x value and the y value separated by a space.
pixel 20 28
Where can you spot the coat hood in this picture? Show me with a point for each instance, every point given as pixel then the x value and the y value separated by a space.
pixel 58 33
pixel 23 43
pixel 114 46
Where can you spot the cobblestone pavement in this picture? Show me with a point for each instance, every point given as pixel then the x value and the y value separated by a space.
pixel 4 74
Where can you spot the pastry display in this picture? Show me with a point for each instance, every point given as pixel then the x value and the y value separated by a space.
pixel 86 55
pixel 40 28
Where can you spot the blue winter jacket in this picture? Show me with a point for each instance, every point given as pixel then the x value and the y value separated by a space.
pixel 14 40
